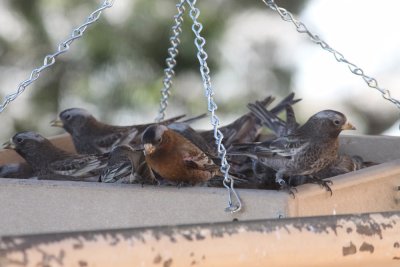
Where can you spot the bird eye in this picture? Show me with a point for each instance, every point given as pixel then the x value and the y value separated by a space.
pixel 68 117
pixel 19 140
pixel 336 122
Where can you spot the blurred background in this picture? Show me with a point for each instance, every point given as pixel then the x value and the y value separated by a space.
pixel 115 71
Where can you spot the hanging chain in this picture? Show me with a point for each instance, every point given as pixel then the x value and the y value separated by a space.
pixel 171 62
pixel 50 59
pixel 212 106
pixel 301 28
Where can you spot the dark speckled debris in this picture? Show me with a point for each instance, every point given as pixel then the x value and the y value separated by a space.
pixel 367 247
pixel 82 263
pixel 200 236
pixel 396 245
pixel 167 263
pixel 369 229
pixel 386 225
pixel 188 237
pixel 78 245
pixel 157 259
pixel 350 250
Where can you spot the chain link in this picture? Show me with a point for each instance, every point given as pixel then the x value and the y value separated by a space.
pixel 50 59
pixel 170 61
pixel 212 106
pixel 302 28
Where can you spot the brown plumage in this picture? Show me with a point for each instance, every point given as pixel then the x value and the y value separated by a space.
pixel 175 158
pixel 91 136
pixel 307 150
pixel 49 161
pixel 247 127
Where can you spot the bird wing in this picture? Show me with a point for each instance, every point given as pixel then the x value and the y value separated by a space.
pixel 291 123
pixel 269 119
pixel 189 133
pixel 286 146
pixel 82 165
pixel 199 161
pixel 116 172
pixel 107 142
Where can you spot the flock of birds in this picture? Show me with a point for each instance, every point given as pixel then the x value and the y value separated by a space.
pixel 171 152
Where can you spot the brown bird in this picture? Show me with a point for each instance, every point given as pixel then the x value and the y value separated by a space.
pixel 247 127
pixel 175 158
pixel 309 149
pixel 91 136
pixel 49 161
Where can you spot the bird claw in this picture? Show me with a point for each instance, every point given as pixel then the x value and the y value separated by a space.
pixel 290 189
pixel 281 182
pixel 324 184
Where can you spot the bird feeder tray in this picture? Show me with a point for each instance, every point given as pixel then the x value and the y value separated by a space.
pixel 35 206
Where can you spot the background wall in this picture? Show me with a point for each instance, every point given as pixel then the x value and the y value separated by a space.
pixel 115 70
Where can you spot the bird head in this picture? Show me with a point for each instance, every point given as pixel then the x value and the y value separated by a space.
pixel 329 123
pixel 72 120
pixel 25 142
pixel 152 138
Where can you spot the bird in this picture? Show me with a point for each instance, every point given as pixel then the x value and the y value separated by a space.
pixel 307 150
pixel 247 127
pixel 50 162
pixel 175 158
pixel 20 170
pixel 91 136
pixel 343 164
pixel 126 165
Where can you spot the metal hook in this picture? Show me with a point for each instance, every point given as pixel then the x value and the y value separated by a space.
pixel 231 190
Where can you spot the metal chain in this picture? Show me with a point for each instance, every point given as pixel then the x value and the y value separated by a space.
pixel 212 106
pixel 301 28
pixel 50 59
pixel 171 62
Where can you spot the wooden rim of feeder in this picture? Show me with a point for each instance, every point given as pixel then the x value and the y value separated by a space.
pixel 345 240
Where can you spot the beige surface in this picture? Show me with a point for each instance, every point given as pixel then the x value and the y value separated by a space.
pixel 52 206
pixel 368 240
pixel 29 206
pixel 372 189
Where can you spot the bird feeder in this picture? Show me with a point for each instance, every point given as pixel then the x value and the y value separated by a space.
pixel 32 206
pixel 167 226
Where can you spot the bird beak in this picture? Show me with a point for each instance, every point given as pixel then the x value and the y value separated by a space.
pixel 348 126
pixel 148 149
pixel 57 123
pixel 9 145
